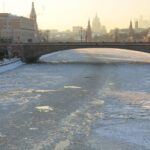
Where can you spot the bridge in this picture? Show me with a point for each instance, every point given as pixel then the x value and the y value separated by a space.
pixel 31 52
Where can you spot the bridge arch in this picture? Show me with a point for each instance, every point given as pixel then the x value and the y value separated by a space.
pixel 32 51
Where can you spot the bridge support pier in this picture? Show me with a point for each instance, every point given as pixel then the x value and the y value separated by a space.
pixel 30 60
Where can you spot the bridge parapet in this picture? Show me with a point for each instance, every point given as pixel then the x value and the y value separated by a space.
pixel 32 51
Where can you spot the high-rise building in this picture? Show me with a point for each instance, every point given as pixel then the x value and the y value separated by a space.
pixel 88 33
pixel 97 27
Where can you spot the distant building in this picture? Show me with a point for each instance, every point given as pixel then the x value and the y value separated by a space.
pixel 88 35
pixel 76 29
pixel 131 33
pixel 131 30
pixel 143 23
pixel 97 28
pixel 33 17
pixel 147 37
pixel 18 29
pixel 78 33
pixel 136 24
pixel 116 35
pixel 96 25
pixel 54 35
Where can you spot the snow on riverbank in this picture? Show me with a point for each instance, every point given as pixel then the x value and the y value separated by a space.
pixel 97 55
pixel 10 65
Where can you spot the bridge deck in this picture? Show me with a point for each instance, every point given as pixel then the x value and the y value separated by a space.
pixel 30 52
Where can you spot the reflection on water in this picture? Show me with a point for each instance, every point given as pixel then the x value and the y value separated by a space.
pixel 77 105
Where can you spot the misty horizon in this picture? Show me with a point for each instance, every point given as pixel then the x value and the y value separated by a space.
pixel 63 15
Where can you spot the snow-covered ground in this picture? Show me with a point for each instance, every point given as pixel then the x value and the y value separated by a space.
pixel 97 55
pixel 7 65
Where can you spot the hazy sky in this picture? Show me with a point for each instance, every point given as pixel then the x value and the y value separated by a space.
pixel 63 14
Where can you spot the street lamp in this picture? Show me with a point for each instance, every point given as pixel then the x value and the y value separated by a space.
pixel 81 36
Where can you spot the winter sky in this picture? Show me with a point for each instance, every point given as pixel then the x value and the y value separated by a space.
pixel 63 14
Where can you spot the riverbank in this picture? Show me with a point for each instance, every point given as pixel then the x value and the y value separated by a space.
pixel 10 64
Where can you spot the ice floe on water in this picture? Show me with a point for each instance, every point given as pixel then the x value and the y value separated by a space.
pixel 141 99
pixel 130 134
pixel 44 108
pixel 33 129
pixel 3 139
pixel 72 87
pixel 97 102
pixel 62 145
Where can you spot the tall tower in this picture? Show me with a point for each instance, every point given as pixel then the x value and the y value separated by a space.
pixel 34 17
pixel 88 33
pixel 96 25
pixel 131 30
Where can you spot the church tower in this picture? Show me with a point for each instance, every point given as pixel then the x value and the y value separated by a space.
pixel 131 30
pixel 131 33
pixel 88 33
pixel 34 17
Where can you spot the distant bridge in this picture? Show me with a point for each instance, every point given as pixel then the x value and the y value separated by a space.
pixel 32 51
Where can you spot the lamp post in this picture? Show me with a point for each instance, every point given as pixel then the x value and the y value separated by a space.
pixel 81 36
pixel 47 35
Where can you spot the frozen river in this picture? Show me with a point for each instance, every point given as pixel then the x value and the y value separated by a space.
pixel 86 99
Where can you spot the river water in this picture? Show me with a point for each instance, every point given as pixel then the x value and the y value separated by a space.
pixel 86 99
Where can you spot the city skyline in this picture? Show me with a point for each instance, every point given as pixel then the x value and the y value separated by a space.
pixel 64 14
